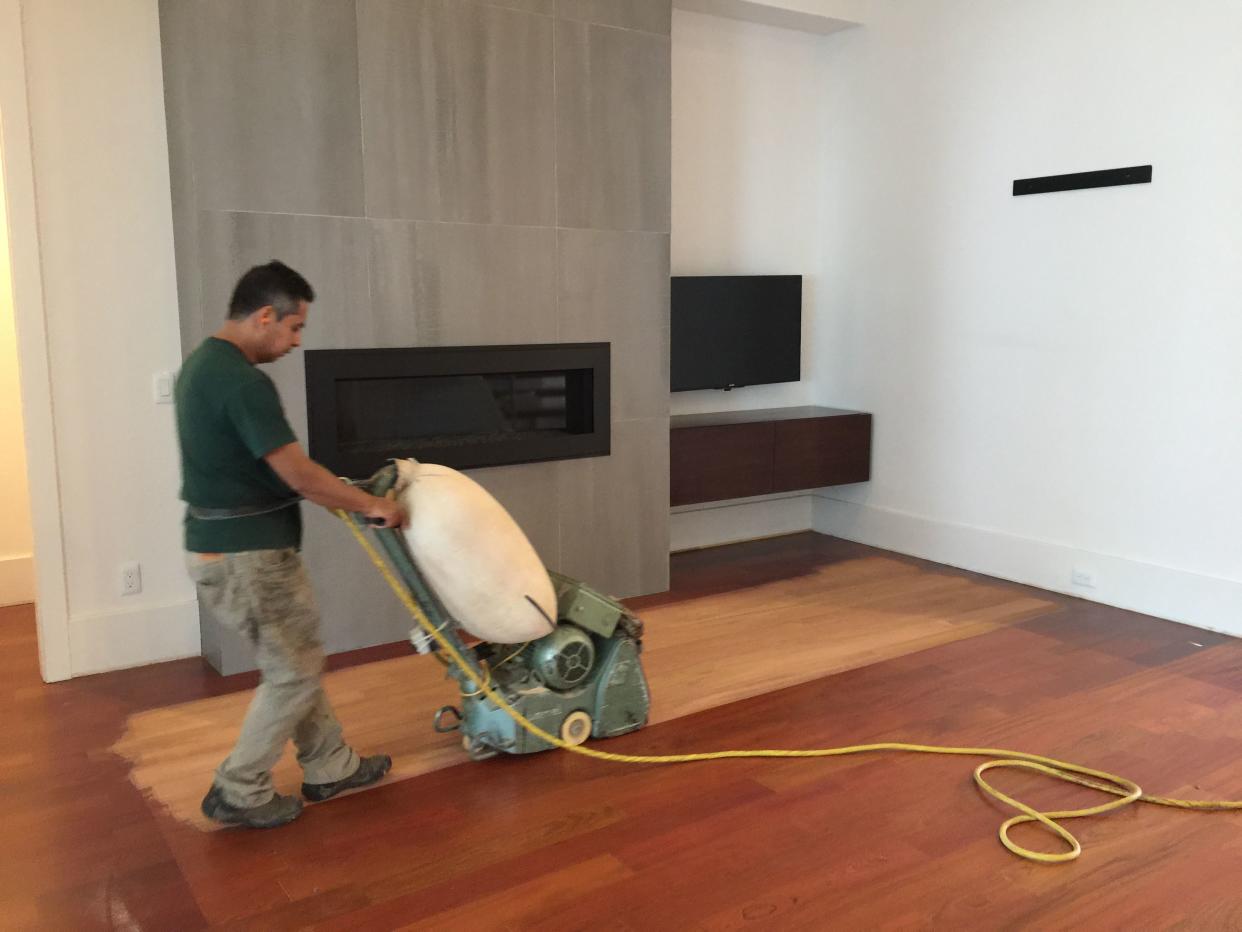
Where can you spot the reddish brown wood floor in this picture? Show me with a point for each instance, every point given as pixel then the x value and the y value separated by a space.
pixel 560 842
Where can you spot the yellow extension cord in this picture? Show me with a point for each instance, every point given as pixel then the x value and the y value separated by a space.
pixel 1128 791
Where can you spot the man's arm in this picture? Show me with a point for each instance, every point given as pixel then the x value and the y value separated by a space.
pixel 318 485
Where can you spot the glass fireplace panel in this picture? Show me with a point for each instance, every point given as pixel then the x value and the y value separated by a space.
pixel 432 411
pixel 459 406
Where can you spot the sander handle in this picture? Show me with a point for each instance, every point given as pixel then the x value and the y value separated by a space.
pixel 380 484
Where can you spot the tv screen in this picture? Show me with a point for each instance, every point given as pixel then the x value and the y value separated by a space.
pixel 734 330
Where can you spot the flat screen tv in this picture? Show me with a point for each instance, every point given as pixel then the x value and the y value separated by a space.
pixel 729 331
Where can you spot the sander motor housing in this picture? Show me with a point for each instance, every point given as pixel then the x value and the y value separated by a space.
pixel 582 680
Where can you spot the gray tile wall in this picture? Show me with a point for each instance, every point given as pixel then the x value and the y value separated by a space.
pixel 462 284
pixel 444 172
pixel 273 94
pixel 613 128
pixel 457 109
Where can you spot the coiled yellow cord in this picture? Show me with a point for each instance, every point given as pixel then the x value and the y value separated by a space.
pixel 1126 790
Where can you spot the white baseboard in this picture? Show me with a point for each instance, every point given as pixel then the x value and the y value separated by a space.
pixel 117 640
pixel 1209 602
pixel 17 580
pixel 715 523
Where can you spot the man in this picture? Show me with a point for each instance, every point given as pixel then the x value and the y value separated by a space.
pixel 243 475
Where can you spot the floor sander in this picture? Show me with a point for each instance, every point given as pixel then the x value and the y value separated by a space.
pixel 582 679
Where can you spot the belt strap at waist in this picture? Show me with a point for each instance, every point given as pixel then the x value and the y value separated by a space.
pixel 241 511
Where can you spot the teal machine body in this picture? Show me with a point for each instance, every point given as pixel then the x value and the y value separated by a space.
pixel 583 680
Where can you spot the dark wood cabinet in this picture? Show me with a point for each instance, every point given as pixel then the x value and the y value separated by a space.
pixel 708 464
pixel 737 454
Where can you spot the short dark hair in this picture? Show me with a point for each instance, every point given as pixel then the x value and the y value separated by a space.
pixel 273 284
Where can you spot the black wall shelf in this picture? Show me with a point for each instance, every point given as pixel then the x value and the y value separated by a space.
pixel 1138 174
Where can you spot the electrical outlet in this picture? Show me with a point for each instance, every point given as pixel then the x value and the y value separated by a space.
pixel 1083 578
pixel 131 579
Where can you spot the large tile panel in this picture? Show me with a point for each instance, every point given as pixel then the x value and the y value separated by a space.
pixel 615 287
pixel 457 112
pixel 646 15
pixel 451 284
pixel 613 128
pixel 614 512
pixel 275 104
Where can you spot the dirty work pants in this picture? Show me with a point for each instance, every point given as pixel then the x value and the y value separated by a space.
pixel 266 597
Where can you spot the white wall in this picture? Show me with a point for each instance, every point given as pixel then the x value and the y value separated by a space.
pixel 748 183
pixel 748 151
pixel 1055 379
pixel 16 541
pixel 100 161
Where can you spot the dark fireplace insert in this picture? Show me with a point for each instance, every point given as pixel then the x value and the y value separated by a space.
pixel 460 406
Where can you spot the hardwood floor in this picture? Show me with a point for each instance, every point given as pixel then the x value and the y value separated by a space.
pixel 554 841
pixel 698 654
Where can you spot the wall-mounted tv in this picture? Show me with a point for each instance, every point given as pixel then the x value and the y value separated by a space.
pixel 729 331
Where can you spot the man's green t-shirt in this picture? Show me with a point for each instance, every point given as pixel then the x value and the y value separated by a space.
pixel 228 418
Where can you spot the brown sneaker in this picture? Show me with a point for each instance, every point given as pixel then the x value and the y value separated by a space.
pixel 370 770
pixel 278 810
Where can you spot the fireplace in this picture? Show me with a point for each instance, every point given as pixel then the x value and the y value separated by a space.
pixel 460 406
